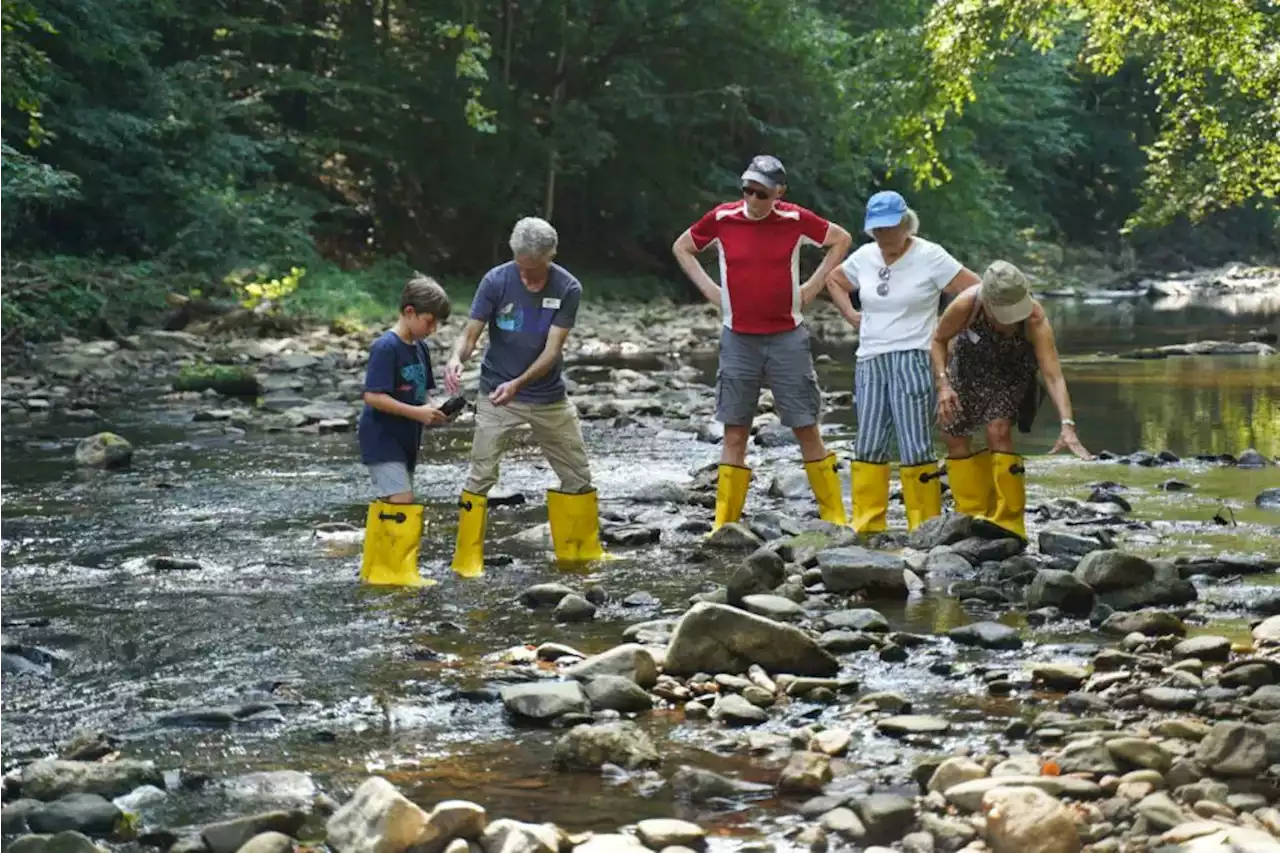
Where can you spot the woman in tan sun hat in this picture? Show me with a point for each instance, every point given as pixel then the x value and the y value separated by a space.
pixel 986 350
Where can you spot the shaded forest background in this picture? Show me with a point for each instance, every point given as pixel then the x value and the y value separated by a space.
pixel 303 155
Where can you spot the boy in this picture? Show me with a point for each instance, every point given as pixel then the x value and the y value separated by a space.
pixel 390 431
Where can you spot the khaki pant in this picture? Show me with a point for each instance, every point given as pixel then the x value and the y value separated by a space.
pixel 555 429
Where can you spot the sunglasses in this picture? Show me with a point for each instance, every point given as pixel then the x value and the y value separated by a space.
pixel 763 195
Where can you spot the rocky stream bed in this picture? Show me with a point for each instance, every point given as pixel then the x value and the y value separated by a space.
pixel 190 665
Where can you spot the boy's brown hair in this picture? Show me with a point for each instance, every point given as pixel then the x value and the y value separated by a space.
pixel 425 296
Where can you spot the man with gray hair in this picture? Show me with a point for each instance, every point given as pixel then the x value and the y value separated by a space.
pixel 529 305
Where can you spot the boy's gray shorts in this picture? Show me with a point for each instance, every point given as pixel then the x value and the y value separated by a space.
pixel 781 362
pixel 390 478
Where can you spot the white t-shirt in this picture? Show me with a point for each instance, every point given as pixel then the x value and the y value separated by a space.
pixel 907 315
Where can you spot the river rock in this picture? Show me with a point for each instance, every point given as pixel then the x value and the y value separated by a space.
pixel 1027 820
pixel 887 817
pixel 661 833
pixel 609 842
pixel 63 842
pixel 697 785
pixel 979 550
pixel 772 606
pixel 544 595
pixel 949 833
pixel 716 638
pixel 1149 622
pixel 1252 459
pixel 616 693
pixel 1234 749
pixel 1247 674
pixel 229 836
pixel 805 773
pixel 943 565
pixel 1214 837
pixel 1139 752
pixel 1160 811
pixel 621 742
pixel 1063 590
pixel 574 608
pixel 1087 756
pixel 89 814
pixel 630 660
pixel 54 779
pixel 912 724
pixel 1169 698
pixel 833 742
pixel 987 635
pixel 1056 543
pixel 968 796
pixel 104 450
pixel 732 537
pixel 512 836
pixel 735 710
pixel 544 700
pixel 856 619
pixel 268 842
pixel 764 571
pixel 1268 499
pixel 855 569
pixel 1109 570
pixel 13 818
pixel 1267 631
pixel 1205 648
pixel 952 772
pixel 945 529
pixel 1059 676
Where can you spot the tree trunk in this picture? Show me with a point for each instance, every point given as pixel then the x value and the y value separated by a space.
pixel 557 94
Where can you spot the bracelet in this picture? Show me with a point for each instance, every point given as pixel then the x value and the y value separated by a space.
pixel 1068 422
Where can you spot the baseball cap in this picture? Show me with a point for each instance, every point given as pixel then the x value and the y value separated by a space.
pixel 1005 293
pixel 884 210
pixel 767 170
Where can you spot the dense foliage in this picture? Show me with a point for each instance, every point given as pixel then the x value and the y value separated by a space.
pixel 208 138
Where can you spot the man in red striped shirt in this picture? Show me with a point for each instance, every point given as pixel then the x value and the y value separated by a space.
pixel 764 341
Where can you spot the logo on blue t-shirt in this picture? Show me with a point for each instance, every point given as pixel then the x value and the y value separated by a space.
pixel 415 375
pixel 510 318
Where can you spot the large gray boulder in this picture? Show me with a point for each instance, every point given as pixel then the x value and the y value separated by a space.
pixel 545 700
pixel 629 660
pixel 854 569
pixel 1126 582
pixel 716 638
pixel 1063 590
pixel 53 779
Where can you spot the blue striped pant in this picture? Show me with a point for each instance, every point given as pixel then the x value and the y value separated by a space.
pixel 895 389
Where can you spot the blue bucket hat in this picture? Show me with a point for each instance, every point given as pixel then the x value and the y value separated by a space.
pixel 885 210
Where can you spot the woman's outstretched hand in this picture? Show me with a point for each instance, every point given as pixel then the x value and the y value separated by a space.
pixel 1068 440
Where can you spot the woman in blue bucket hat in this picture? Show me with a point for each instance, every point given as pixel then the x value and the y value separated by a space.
pixel 900 278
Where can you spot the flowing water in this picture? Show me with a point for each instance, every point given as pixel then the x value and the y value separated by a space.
pixel 390 681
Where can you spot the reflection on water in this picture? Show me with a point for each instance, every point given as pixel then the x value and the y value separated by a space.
pixel 1203 405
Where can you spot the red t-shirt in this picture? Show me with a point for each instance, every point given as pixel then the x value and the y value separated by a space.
pixel 760 263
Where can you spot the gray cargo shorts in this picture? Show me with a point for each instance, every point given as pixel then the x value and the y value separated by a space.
pixel 390 478
pixel 782 363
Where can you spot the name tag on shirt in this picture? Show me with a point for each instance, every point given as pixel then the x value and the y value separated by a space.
pixel 550 302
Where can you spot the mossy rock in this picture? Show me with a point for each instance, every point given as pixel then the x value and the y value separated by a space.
pixel 104 450
pixel 228 380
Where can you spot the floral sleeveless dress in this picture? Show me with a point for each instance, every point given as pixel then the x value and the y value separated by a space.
pixel 990 373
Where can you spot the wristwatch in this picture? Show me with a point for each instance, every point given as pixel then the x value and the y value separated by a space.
pixel 1068 422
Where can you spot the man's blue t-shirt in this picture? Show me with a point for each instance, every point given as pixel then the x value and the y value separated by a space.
pixel 402 371
pixel 519 321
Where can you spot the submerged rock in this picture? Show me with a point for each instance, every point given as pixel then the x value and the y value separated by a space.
pixel 590 747
pixel 697 785
pixel 104 450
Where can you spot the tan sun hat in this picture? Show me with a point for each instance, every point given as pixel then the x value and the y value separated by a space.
pixel 1006 294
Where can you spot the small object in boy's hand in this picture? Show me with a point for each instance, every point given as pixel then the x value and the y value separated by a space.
pixel 453 405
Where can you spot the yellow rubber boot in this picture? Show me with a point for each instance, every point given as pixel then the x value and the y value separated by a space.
pixel 870 496
pixel 392 537
pixel 731 494
pixel 825 482
pixel 468 551
pixel 575 525
pixel 1011 493
pixel 922 492
pixel 972 484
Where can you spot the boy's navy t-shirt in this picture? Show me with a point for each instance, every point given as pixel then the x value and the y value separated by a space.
pixel 519 322
pixel 402 371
